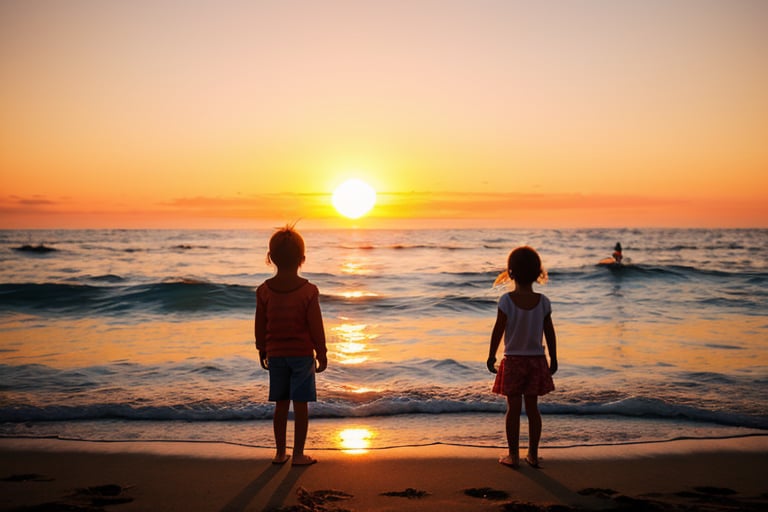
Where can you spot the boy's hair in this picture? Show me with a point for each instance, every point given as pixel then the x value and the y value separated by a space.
pixel 286 248
pixel 524 266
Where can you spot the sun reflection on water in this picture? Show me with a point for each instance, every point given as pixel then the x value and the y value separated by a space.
pixel 363 390
pixel 358 294
pixel 351 342
pixel 355 440
pixel 354 268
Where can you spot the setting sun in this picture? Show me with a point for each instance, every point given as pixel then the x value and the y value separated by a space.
pixel 354 198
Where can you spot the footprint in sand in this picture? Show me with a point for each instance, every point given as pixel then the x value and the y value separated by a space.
pixel 486 493
pixel 409 493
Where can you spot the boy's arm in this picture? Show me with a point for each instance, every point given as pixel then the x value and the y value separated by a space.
pixel 317 332
pixel 551 339
pixel 496 334
pixel 260 333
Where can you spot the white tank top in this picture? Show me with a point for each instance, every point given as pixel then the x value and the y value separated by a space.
pixel 524 332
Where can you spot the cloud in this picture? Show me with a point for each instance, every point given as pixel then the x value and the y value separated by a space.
pixel 493 204
pixel 262 206
pixel 15 203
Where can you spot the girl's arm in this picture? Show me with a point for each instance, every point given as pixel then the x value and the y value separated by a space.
pixel 551 339
pixel 317 332
pixel 496 334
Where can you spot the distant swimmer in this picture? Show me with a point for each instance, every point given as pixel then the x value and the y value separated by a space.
pixel 617 252
pixel 615 260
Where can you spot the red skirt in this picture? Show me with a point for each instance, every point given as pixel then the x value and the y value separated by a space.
pixel 523 375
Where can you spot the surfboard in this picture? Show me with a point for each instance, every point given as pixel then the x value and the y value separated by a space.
pixel 611 263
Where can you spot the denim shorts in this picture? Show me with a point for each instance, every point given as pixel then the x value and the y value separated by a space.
pixel 292 378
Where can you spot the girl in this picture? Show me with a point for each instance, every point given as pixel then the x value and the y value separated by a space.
pixel 523 318
pixel 289 336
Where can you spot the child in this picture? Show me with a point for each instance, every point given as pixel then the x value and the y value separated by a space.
pixel 289 335
pixel 523 318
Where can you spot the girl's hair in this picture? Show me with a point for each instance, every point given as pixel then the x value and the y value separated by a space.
pixel 524 266
pixel 286 248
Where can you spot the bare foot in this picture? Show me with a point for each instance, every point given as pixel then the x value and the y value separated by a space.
pixel 509 461
pixel 303 460
pixel 281 458
pixel 532 461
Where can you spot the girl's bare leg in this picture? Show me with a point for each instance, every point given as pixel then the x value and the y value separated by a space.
pixel 534 428
pixel 512 421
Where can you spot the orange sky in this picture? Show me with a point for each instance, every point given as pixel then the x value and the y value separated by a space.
pixel 521 114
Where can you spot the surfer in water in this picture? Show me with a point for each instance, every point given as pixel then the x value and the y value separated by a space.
pixel 617 252
pixel 615 259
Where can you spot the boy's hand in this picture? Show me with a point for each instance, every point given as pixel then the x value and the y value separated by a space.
pixel 322 364
pixel 263 359
pixel 552 366
pixel 491 364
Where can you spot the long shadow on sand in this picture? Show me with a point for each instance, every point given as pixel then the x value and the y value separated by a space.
pixel 557 489
pixel 251 492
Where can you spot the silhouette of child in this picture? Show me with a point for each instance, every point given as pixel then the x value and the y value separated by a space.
pixel 523 319
pixel 289 336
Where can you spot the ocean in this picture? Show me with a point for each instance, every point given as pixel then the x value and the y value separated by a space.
pixel 147 335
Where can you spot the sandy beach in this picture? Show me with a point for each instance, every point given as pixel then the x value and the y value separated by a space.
pixel 37 475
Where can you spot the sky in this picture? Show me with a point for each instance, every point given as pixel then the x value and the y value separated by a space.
pixel 572 113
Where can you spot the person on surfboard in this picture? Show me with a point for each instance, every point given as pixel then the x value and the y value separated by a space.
pixel 615 260
pixel 617 252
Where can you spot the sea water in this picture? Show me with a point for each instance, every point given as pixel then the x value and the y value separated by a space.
pixel 147 335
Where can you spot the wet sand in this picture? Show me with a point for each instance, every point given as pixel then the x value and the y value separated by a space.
pixel 45 475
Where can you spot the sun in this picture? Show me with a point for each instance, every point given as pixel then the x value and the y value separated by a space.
pixel 354 198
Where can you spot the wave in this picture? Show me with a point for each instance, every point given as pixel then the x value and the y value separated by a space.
pixel 432 293
pixel 224 390
pixel 638 407
pixel 180 295
pixel 667 274
pixel 36 249
pixel 405 247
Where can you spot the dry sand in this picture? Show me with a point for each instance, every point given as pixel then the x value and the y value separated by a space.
pixel 48 475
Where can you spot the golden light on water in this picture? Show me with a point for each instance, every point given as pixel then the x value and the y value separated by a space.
pixel 363 390
pixel 351 343
pixel 351 332
pixel 354 360
pixel 358 294
pixel 351 347
pixel 354 268
pixel 355 440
